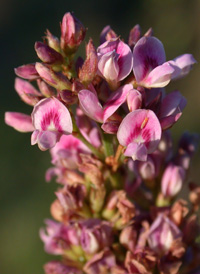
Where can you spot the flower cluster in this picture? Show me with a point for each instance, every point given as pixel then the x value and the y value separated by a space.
pixel 106 121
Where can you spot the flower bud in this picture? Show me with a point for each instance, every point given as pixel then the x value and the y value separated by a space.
pixel 172 180
pixel 54 79
pixel 19 121
pixel 134 36
pixel 72 33
pixel 89 68
pixel 53 41
pixel 27 92
pixel 162 233
pixel 68 97
pixel 45 89
pixel 27 72
pixel 47 54
pixel 95 235
pixel 107 34
pixel 134 100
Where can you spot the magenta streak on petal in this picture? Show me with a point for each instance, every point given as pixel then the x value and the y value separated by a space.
pixel 134 134
pixel 149 65
pixel 146 135
pixel 49 117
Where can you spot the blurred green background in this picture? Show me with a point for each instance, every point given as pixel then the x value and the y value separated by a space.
pixel 24 196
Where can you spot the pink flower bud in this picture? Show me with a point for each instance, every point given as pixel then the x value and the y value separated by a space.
pixel 72 33
pixel 54 79
pixel 172 180
pixel 89 68
pixel 27 72
pixel 47 54
pixel 27 92
pixel 45 89
pixel 107 34
pixel 95 235
pixel 19 121
pixel 162 234
pixel 53 41
pixel 134 100
pixel 134 36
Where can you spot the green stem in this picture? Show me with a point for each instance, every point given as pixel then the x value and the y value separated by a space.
pixel 107 144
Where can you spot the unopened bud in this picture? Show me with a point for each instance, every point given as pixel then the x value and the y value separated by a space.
pixel 72 33
pixel 27 72
pixel 88 71
pixel 55 79
pixel 47 54
pixel 45 89
pixel 53 41
pixel 134 36
pixel 172 180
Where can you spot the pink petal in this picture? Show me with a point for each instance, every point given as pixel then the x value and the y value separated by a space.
pixel 134 100
pixel 51 115
pixel 148 53
pixel 136 151
pixel 108 66
pixel 27 72
pixel 90 105
pixel 116 99
pixel 47 139
pixel 185 62
pixel 19 121
pixel 125 61
pixel 159 77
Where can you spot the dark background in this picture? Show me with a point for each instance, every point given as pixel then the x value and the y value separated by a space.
pixel 24 196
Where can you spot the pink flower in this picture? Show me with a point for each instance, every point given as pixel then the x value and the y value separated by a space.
pixel 91 106
pixel 51 119
pixel 150 67
pixel 140 133
pixel 115 60
pixel 172 180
